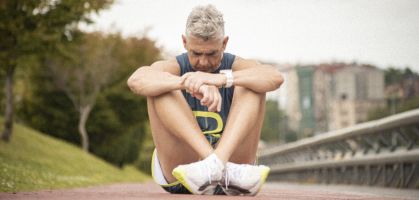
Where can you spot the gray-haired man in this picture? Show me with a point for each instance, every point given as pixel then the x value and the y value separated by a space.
pixel 206 111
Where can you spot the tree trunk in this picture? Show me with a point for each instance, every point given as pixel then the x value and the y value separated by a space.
pixel 8 116
pixel 84 115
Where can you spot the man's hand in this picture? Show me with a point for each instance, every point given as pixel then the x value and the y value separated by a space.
pixel 192 81
pixel 209 96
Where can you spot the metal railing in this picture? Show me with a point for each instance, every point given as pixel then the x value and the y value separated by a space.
pixel 383 152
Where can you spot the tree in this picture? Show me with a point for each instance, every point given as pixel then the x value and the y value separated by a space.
pixel 382 112
pixel 401 93
pixel 272 123
pixel 2 72
pixel 46 108
pixel 84 75
pixel 117 123
pixel 397 76
pixel 35 27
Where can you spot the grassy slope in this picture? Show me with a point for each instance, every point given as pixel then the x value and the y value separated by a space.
pixel 33 161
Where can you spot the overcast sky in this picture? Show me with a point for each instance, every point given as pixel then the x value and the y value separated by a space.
pixel 378 32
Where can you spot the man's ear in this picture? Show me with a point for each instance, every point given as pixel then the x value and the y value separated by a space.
pixel 184 41
pixel 225 41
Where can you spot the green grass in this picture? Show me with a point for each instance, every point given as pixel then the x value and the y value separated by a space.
pixel 34 161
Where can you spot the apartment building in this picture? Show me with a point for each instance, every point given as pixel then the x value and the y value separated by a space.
pixel 327 97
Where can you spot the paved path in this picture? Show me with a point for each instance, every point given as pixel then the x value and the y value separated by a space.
pixel 277 191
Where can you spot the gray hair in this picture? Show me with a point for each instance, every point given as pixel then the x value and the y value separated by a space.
pixel 205 22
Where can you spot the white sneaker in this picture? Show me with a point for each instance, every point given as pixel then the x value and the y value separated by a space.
pixel 200 177
pixel 243 179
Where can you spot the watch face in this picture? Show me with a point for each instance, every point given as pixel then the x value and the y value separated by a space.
pixel 229 75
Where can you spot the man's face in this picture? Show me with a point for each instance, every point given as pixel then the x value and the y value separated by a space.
pixel 204 55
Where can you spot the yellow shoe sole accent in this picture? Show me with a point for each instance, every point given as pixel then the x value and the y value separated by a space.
pixel 263 175
pixel 180 176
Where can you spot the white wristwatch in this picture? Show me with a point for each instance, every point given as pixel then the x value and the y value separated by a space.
pixel 229 75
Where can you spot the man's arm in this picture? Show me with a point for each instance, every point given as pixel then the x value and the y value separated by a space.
pixel 154 80
pixel 163 76
pixel 255 76
pixel 247 73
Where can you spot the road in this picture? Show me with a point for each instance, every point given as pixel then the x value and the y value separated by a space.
pixel 271 191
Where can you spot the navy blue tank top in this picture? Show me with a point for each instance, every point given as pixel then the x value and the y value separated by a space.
pixel 209 122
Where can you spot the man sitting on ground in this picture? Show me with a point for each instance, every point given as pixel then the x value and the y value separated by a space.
pixel 206 110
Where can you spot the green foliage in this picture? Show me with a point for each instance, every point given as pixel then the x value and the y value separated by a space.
pixel 393 76
pixel 46 108
pixel 271 124
pixel 34 27
pixel 34 161
pixel 290 136
pixel 117 122
pixel 410 104
pixel 144 158
pixel 402 107
pixel 275 128
pixel 378 113
pixel 2 95
pixel 117 126
pixel 397 79
pixel 397 76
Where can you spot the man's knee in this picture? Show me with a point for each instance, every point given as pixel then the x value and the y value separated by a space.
pixel 172 96
pixel 159 104
pixel 245 93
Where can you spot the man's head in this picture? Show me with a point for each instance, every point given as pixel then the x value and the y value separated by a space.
pixel 204 38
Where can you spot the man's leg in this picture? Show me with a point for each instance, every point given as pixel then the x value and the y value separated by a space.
pixel 176 134
pixel 240 138
pixel 239 142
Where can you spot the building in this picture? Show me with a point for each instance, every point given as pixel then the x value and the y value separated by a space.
pixel 358 89
pixel 327 97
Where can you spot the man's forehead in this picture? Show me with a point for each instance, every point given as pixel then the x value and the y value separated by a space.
pixel 204 49
pixel 207 52
pixel 207 47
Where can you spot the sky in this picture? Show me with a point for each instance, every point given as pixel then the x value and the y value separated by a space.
pixel 379 32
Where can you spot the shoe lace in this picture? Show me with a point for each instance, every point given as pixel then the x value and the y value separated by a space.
pixel 210 169
pixel 233 172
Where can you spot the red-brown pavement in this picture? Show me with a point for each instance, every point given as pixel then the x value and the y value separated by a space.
pixel 282 191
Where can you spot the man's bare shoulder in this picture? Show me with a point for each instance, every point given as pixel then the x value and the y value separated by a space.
pixel 169 65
